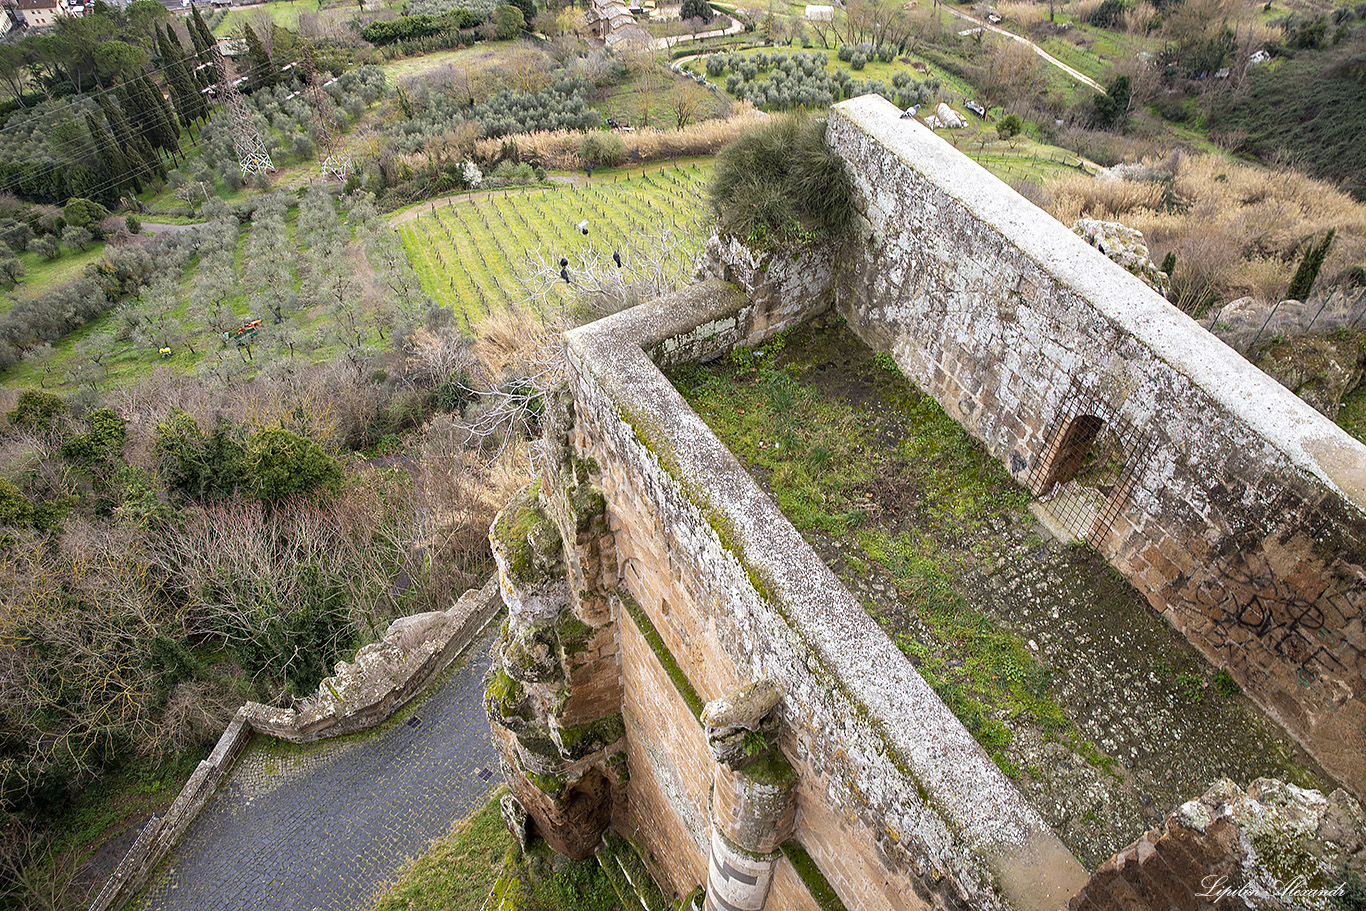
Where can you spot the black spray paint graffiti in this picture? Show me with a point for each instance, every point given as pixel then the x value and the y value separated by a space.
pixel 1244 597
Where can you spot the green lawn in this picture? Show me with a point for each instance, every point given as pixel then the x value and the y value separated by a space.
pixel 284 13
pixel 41 274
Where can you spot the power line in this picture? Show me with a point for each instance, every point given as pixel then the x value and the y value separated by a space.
pixel 144 130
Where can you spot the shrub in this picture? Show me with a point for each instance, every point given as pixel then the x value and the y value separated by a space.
pixel 859 61
pixel 134 224
pixel 1009 126
pixel 83 213
pixel 845 53
pixel 36 409
pixel 602 148
pixel 280 464
pixel 45 246
pixel 716 65
pixel 696 9
pixel 780 184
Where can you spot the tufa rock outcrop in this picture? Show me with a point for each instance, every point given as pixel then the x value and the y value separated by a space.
pixel 553 697
pixel 1124 246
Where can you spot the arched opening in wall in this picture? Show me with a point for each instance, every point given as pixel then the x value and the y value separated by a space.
pixel 1086 472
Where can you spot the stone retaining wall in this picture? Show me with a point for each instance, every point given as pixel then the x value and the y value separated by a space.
pixel 365 692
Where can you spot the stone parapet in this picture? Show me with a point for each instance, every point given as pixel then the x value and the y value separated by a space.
pixel 737 595
pixel 365 692
pixel 1236 509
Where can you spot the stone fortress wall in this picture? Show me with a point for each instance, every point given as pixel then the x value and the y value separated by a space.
pixel 1238 510
pixel 680 665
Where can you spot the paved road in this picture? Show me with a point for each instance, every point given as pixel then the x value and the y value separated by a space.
pixel 326 825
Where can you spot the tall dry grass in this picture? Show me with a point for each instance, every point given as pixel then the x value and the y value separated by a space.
pixel 560 148
pixel 1025 13
pixel 1236 230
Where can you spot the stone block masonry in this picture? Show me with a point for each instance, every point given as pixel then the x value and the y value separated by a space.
pixel 1236 509
pixel 647 574
pixel 895 802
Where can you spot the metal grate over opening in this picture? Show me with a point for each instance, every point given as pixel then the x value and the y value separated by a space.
pixel 1089 466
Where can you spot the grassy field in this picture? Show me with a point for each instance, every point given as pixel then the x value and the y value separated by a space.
pixel 284 13
pixel 41 274
pixel 465 254
pixel 478 866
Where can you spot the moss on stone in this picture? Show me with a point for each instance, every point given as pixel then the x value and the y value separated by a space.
pixel 573 633
pixel 812 877
pixel 546 784
pixel 531 654
pixel 666 659
pixel 582 740
pixel 528 539
pixel 503 694
pixel 772 769
pixel 540 744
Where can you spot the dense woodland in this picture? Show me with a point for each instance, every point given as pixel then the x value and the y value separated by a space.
pixel 229 524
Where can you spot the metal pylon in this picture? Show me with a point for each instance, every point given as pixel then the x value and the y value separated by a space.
pixel 333 160
pixel 252 156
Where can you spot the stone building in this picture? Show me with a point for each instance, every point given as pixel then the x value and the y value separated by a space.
pixel 679 665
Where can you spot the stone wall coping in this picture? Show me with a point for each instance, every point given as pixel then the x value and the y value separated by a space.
pixel 378 689
pixel 1309 440
pixel 979 805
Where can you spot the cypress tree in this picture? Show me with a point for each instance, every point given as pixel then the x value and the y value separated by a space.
pixel 200 36
pixel 147 108
pixel 1308 272
pixel 189 102
pixel 111 157
pixel 260 68
pixel 204 44
pixel 134 145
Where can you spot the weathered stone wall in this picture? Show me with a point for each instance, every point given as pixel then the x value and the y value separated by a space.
pixel 671 767
pixel 1238 510
pixel 1272 846
pixel 897 804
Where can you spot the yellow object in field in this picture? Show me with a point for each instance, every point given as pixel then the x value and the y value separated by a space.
pixel 165 352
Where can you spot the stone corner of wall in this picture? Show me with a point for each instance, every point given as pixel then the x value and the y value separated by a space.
pixel 1250 841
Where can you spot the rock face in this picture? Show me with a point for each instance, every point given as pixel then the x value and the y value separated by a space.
pixel 1274 846
pixel 1124 246
pixel 1321 369
pixel 552 701
pixel 945 118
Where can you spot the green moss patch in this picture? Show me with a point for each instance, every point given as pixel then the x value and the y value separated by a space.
pixel 584 739
pixel 529 539
pixel 666 659
pixel 812 877
pixel 503 694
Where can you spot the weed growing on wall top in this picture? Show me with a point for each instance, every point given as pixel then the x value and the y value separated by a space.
pixel 780 186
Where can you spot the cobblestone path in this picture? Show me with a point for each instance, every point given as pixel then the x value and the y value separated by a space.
pixel 325 825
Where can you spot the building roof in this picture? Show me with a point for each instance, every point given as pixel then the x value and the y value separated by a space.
pixel 36 4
